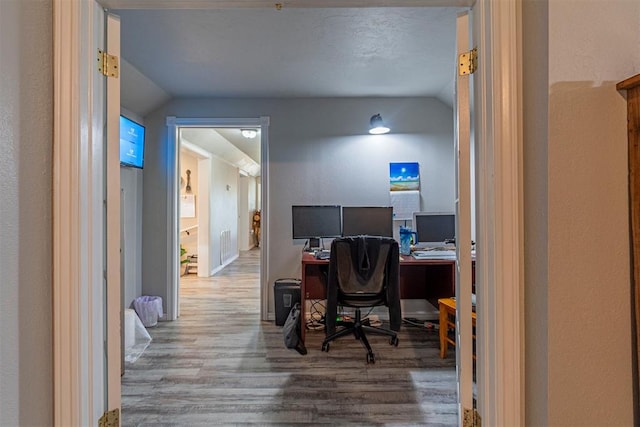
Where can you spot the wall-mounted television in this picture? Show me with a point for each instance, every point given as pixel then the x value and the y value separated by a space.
pixel 131 143
pixel 367 220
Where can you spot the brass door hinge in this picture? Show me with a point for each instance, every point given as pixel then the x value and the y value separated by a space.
pixel 108 64
pixel 471 418
pixel 468 62
pixel 110 418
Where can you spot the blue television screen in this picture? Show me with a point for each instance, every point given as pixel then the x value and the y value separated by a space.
pixel 131 143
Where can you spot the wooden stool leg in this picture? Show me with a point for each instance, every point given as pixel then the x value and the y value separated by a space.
pixel 443 330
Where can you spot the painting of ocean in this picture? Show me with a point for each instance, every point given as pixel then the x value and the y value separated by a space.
pixel 404 176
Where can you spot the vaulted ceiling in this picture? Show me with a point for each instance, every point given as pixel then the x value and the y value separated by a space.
pixel 303 52
pixel 251 51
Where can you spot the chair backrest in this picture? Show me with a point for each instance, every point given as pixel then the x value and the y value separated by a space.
pixel 361 266
pixel 364 272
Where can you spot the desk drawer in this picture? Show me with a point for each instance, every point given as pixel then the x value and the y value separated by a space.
pixel 315 281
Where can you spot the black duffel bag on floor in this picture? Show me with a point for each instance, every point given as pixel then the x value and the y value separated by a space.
pixel 291 330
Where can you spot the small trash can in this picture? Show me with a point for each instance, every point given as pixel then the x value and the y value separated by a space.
pixel 286 294
pixel 149 309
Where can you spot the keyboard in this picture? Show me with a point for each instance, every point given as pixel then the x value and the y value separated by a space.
pixel 323 254
pixel 434 254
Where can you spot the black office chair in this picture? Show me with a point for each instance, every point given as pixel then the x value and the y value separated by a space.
pixel 363 272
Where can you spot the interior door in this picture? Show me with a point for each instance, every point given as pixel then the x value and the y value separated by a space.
pixel 464 329
pixel 114 309
pixel 106 307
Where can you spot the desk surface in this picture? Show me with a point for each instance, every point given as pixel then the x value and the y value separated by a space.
pixel 308 258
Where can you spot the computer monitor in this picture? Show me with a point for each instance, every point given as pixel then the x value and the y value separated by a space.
pixel 311 222
pixel 433 228
pixel 367 220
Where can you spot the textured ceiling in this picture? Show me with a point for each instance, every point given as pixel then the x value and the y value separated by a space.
pixel 227 144
pixel 294 52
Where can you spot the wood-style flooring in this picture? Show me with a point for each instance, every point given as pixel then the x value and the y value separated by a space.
pixel 219 364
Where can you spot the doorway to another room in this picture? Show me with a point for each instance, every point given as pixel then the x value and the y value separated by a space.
pixel 218 199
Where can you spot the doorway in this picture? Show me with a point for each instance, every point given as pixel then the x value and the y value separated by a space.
pixel 234 154
pixel 226 170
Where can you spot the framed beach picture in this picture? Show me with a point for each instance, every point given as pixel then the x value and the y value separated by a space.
pixel 404 176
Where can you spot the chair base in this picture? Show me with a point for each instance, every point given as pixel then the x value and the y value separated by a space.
pixel 358 328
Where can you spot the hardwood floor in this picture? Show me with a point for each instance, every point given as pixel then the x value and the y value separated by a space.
pixel 219 364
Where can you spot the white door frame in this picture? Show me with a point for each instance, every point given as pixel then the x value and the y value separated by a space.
pixel 499 273
pixel 497 28
pixel 86 216
pixel 173 273
pixel 462 141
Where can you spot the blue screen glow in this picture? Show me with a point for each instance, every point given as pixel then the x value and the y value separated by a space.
pixel 131 143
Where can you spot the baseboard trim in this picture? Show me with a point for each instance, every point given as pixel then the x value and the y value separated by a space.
pixel 221 267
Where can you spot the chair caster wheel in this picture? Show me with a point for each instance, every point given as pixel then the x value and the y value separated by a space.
pixel 394 341
pixel 371 359
pixel 325 346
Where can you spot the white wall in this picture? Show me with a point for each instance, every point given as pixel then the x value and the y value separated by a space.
pixel 311 161
pixel 26 129
pixel 224 208
pixel 131 208
pixel 577 212
pixel 131 185
pixel 244 216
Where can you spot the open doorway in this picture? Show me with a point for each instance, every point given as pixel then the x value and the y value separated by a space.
pixel 201 151
pixel 217 198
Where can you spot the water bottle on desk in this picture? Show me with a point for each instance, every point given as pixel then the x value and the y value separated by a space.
pixel 405 240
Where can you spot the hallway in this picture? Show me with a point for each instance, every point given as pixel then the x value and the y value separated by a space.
pixel 219 364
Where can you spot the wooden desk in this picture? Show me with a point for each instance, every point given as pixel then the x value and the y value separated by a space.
pixel 428 279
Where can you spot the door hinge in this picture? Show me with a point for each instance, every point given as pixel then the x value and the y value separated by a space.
pixel 108 64
pixel 110 418
pixel 468 62
pixel 471 418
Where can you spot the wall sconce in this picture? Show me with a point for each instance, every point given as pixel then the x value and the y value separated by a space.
pixel 249 133
pixel 377 125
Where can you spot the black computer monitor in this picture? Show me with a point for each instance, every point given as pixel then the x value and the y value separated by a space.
pixel 311 222
pixel 433 228
pixel 367 220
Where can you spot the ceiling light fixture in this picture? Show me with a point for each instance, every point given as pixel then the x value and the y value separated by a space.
pixel 377 125
pixel 249 133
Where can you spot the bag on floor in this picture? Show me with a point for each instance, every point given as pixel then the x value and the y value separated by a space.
pixel 291 330
pixel 149 309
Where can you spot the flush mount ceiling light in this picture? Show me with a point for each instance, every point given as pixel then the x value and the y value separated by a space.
pixel 249 133
pixel 377 125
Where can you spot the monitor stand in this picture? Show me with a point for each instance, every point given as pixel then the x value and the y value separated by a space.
pixel 314 243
